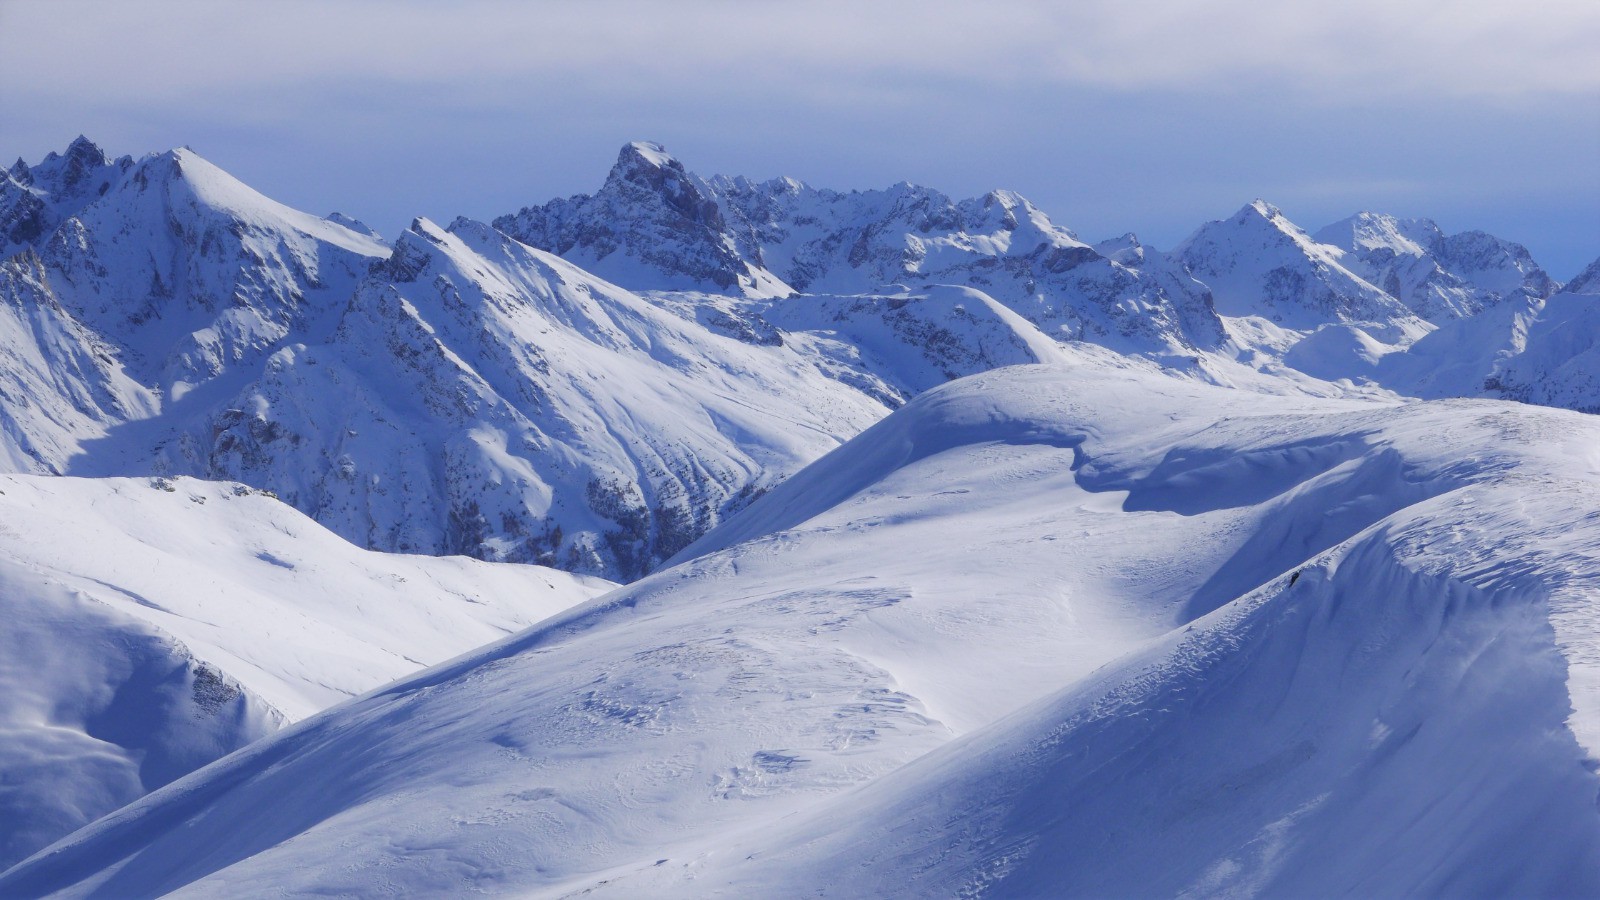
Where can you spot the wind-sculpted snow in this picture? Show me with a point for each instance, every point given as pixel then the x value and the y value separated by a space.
pixel 154 626
pixel 1046 630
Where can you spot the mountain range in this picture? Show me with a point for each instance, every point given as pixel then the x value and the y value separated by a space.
pixel 954 547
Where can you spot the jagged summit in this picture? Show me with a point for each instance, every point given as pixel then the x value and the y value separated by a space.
pixel 1438 276
pixel 652 225
pixel 655 224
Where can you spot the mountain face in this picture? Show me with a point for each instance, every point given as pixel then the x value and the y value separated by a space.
pixel 191 273
pixel 496 401
pixel 547 416
pixel 655 225
pixel 1002 641
pixel 60 383
pixel 153 626
pixel 1258 263
pixel 1438 277
pixel 1559 359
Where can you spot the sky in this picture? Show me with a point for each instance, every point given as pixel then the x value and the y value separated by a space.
pixel 1151 117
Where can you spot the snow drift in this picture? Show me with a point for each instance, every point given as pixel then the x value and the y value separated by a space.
pixel 1028 633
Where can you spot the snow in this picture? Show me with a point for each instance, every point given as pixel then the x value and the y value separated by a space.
pixel 1003 640
pixel 1170 573
pixel 153 626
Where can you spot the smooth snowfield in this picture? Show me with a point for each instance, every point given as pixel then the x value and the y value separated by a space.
pixel 1056 630
pixel 152 626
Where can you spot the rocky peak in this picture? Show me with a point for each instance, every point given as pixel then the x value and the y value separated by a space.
pixel 652 225
pixel 1124 250
pixel 652 174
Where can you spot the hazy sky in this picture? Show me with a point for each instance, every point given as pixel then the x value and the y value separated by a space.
pixel 1113 116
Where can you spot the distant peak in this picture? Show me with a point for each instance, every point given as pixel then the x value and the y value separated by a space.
pixel 647 153
pixel 425 227
pixel 352 223
pixel 1006 199
pixel 1261 208
pixel 81 144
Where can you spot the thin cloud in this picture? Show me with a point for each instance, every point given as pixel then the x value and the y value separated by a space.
pixel 1378 50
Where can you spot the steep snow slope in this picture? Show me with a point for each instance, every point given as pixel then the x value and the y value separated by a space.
pixel 486 398
pixel 1528 348
pixel 1559 359
pixel 127 284
pixel 1305 605
pixel 60 385
pixel 577 423
pixel 152 627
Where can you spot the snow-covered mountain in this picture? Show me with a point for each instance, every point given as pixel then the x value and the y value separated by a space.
pixel 967 556
pixel 655 225
pixel 1067 630
pixel 1438 276
pixel 173 321
pixel 490 399
pixel 546 415
pixel 130 283
pixel 153 626
pixel 1260 264
pixel 1558 363
pixel 35 199
pixel 191 273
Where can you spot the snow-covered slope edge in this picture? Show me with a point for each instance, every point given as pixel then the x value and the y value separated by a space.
pixel 1386 720
pixel 1314 601
pixel 152 627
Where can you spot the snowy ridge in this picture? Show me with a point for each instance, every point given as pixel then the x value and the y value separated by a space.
pixel 1400 595
pixel 225 336
pixel 577 424
pixel 191 273
pixel 154 626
